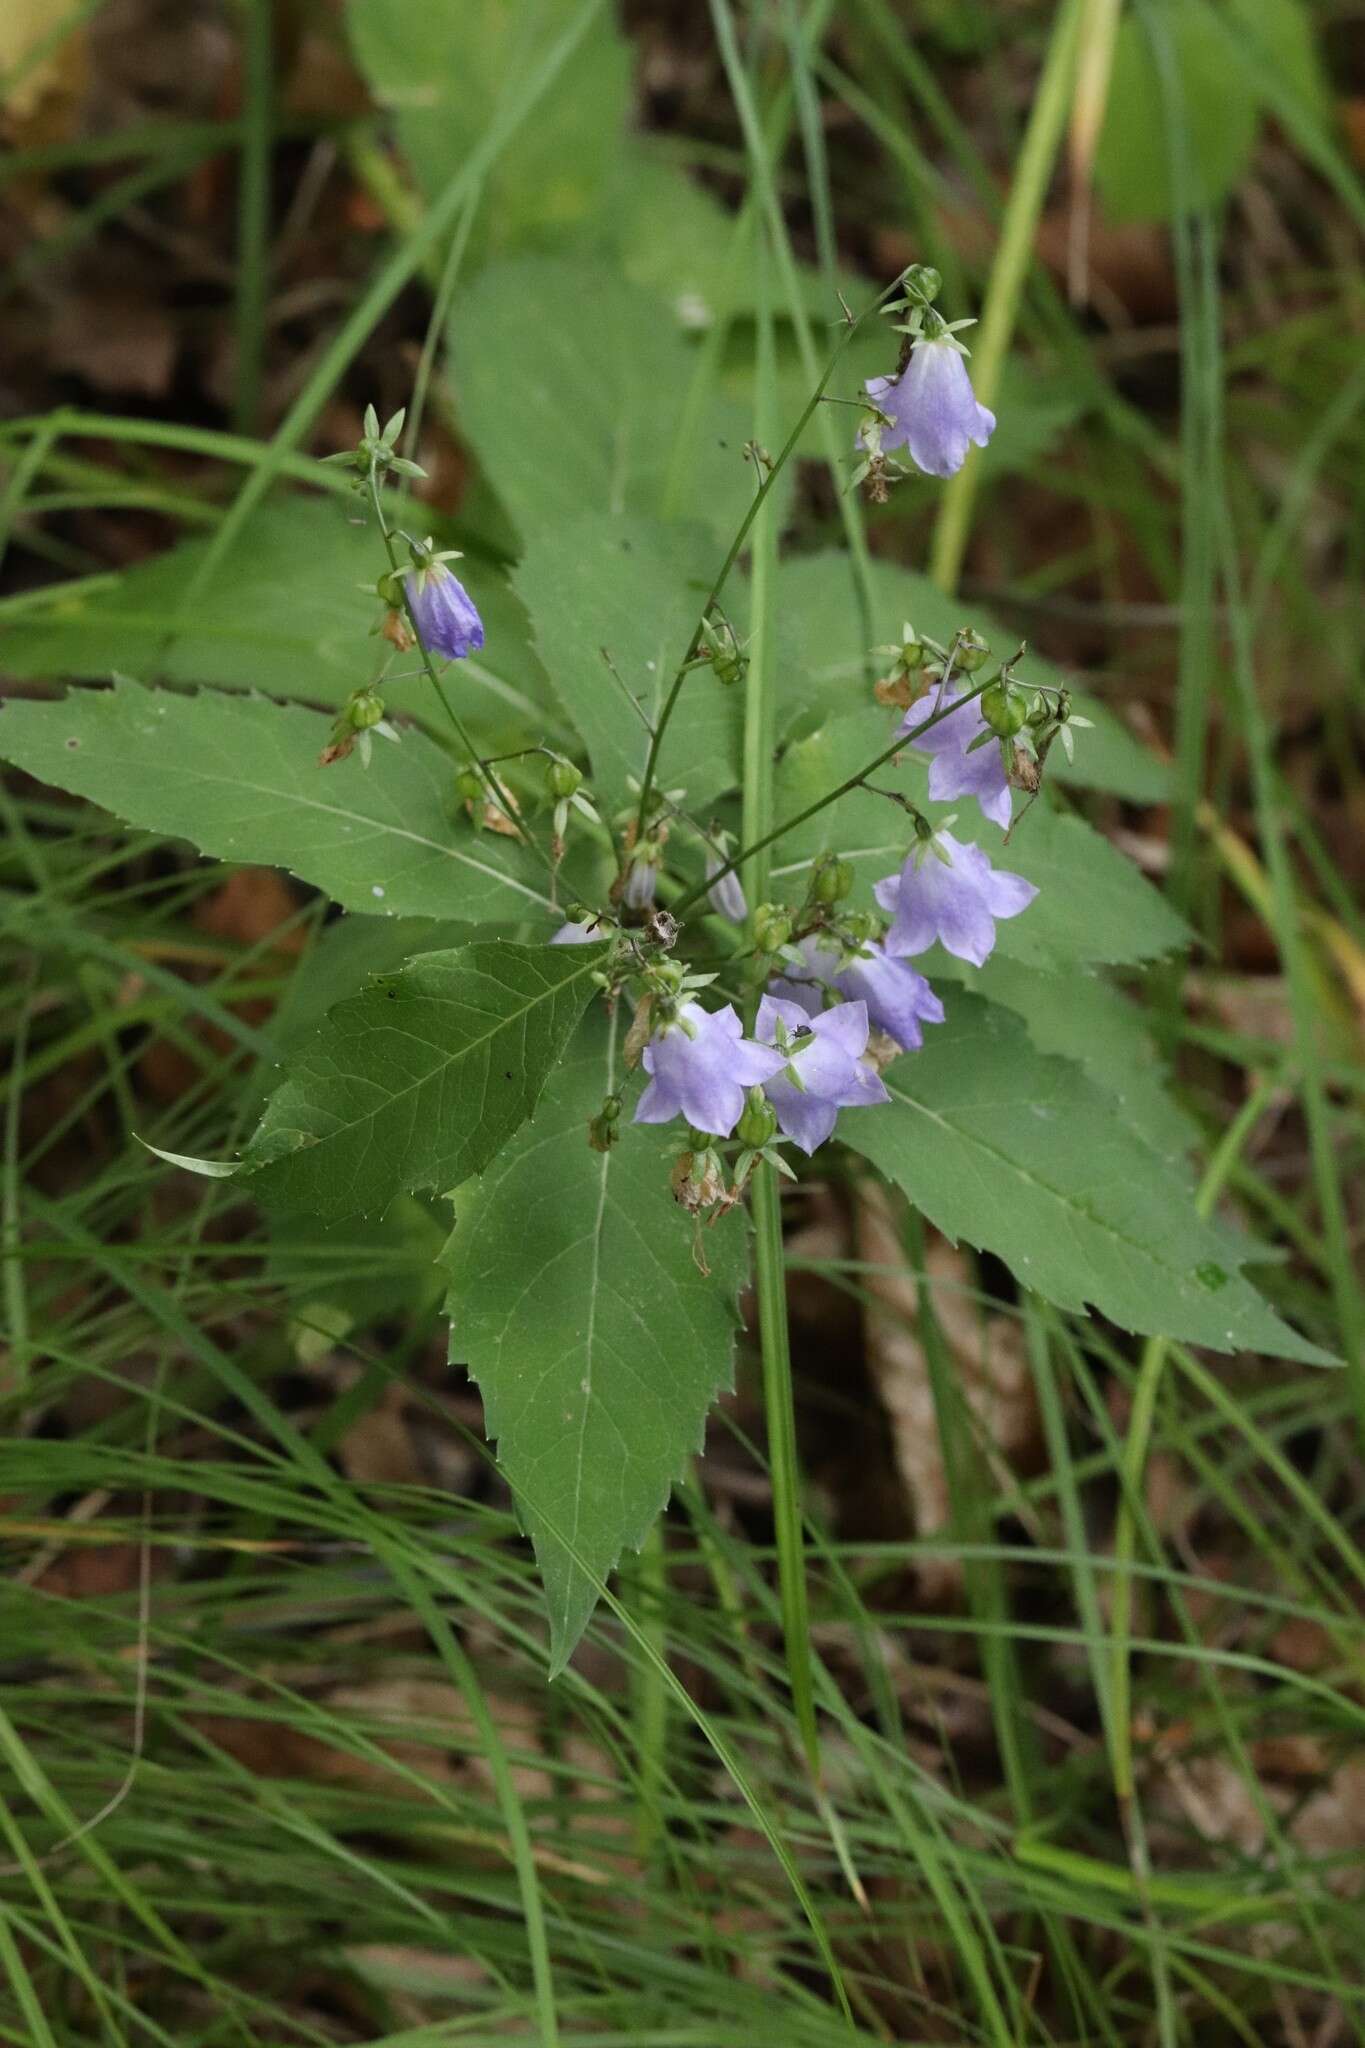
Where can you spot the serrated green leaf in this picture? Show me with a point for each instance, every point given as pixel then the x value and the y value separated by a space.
pixel 1091 1022
pixel 631 589
pixel 239 778
pixel 822 668
pixel 1092 904
pixel 420 1079
pixel 286 614
pixel 1017 1154
pixel 585 418
pixel 596 1342
pixel 441 68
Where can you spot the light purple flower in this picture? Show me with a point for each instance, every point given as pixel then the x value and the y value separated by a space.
pixel 642 878
pixel 897 997
pixel 726 895
pixel 954 771
pixel 699 1068
pixel 932 409
pixel 830 1064
pixel 443 611
pixel 956 903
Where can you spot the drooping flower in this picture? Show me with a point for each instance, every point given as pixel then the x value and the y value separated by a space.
pixel 898 999
pixel 955 900
pixel 932 408
pixel 699 1066
pixel 726 895
pixel 828 1060
pixel 443 611
pixel 957 767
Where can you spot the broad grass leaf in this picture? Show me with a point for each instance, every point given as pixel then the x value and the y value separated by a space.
pixel 1017 1154
pixel 418 1081
pixel 630 590
pixel 1092 904
pixel 441 67
pixel 596 1342
pixel 239 778
pixel 823 670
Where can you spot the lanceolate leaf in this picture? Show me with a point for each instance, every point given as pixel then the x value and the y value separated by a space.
pixel 597 1343
pixel 239 778
pixel 419 1080
pixel 1019 1155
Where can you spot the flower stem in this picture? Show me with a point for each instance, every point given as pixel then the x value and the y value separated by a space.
pixel 761 844
pixel 770 1268
pixel 497 795
pixel 760 498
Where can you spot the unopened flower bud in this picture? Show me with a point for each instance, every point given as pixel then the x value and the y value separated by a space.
pixel 562 779
pixel 366 710
pixel 1003 709
pixel 758 1125
pixel 832 880
pixel 772 927
pixel 922 281
pixel 604 1129
pixel 972 652
pixel 389 589
pixel 469 785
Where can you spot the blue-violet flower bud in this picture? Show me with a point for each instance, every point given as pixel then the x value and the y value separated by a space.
pixel 443 612
pixel 726 895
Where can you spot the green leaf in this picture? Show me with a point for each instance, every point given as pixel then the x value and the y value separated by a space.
pixel 1017 1154
pixel 597 1343
pixel 286 614
pixel 239 778
pixel 822 639
pixel 418 1081
pixel 586 418
pixel 441 68
pixel 631 589
pixel 1102 1030
pixel 1092 904
pixel 1212 94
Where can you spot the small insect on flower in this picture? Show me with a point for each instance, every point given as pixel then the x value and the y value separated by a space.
pixel 932 408
pixel 443 612
pixel 950 892
pixel 700 1064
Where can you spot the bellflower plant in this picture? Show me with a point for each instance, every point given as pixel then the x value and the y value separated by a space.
pixel 932 408
pixel 949 892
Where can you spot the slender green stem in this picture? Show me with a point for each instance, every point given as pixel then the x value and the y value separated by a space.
pixel 253 209
pixel 747 853
pixel 1037 156
pixel 770 1269
pixel 760 499
pixel 497 795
